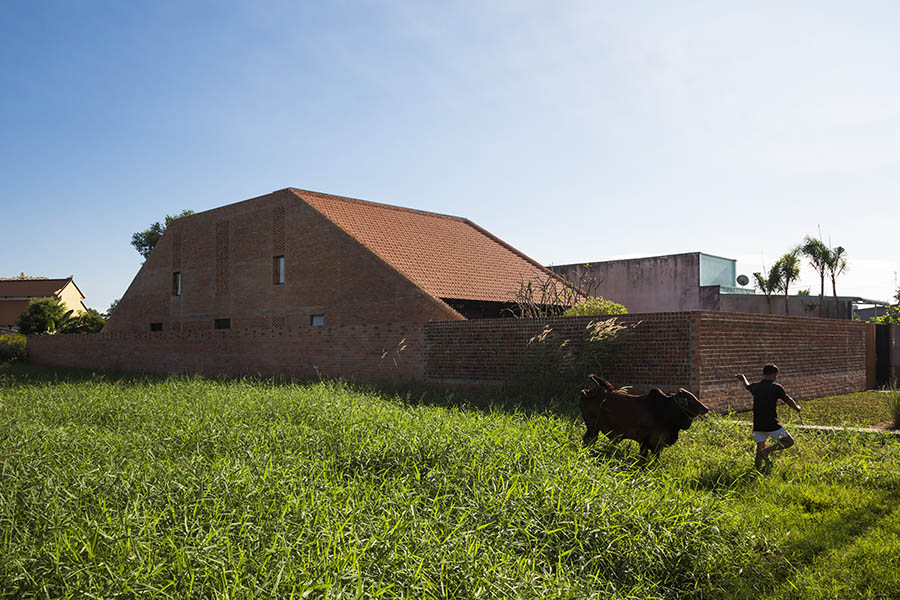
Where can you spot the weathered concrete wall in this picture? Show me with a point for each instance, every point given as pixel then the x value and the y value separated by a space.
pixel 656 284
pixel 797 306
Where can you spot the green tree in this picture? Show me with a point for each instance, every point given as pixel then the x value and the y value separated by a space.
pixel 891 317
pixel 145 241
pixel 817 253
pixel 88 322
pixel 768 284
pixel 836 264
pixel 787 272
pixel 109 310
pixel 45 315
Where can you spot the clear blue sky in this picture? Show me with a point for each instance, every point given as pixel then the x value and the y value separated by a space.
pixel 576 131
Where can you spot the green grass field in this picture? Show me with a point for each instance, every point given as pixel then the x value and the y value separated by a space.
pixel 119 487
pixel 861 409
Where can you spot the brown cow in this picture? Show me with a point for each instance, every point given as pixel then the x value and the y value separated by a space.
pixel 652 420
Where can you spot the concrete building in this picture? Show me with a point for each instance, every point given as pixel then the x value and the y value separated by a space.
pixel 690 281
pixel 17 292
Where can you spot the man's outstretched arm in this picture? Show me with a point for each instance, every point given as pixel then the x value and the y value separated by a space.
pixel 743 379
pixel 790 402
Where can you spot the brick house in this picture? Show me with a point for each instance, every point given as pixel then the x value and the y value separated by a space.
pixel 302 284
pixel 16 293
pixel 297 259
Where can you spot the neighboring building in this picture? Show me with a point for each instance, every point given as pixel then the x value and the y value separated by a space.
pixel 295 259
pixel 866 313
pixel 16 293
pixel 690 281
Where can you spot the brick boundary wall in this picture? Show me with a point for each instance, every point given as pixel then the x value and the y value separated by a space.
pixel 700 350
pixel 817 357
pixel 487 351
pixel 365 352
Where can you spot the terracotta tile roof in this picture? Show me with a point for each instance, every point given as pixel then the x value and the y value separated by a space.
pixel 31 288
pixel 448 257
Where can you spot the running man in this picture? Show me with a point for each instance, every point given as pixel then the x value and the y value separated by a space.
pixel 766 394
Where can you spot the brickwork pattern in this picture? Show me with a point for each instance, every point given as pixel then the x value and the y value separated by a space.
pixel 364 352
pixel 657 353
pixel 227 272
pixel 701 351
pixel 817 357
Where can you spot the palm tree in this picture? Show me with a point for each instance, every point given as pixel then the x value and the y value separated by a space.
pixel 787 271
pixel 817 252
pixel 767 284
pixel 836 264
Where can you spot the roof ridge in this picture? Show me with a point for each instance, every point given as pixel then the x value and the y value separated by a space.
pixel 35 280
pixel 299 191
pixel 378 256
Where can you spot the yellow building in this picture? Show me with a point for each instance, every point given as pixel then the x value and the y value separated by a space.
pixel 16 293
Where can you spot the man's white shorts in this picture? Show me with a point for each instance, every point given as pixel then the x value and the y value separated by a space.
pixel 780 433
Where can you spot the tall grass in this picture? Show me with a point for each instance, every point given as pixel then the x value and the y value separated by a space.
pixel 189 488
pixel 12 347
pixel 893 404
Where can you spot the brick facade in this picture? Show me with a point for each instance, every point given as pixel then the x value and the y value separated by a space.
pixel 701 351
pixel 364 352
pixel 817 357
pixel 225 260
pixel 373 275
pixel 658 352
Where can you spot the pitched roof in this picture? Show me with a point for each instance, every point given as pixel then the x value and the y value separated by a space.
pixel 33 288
pixel 448 257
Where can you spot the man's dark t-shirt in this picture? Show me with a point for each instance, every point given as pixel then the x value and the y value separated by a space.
pixel 765 398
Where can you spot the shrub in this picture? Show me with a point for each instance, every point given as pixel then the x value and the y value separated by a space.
pixel 595 306
pixel 891 316
pixel 43 316
pixel 12 347
pixel 89 322
pixel 552 365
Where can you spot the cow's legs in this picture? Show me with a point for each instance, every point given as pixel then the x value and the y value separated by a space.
pixel 646 450
pixel 590 436
pixel 649 450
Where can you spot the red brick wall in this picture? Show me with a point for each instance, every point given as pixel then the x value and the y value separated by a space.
pixel 701 351
pixel 817 357
pixel 354 351
pixel 658 352
pixel 225 257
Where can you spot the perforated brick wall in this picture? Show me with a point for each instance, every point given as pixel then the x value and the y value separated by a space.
pixel 817 357
pixel 657 352
pixel 701 351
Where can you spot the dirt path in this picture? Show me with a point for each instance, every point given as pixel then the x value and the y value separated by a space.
pixel 834 428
